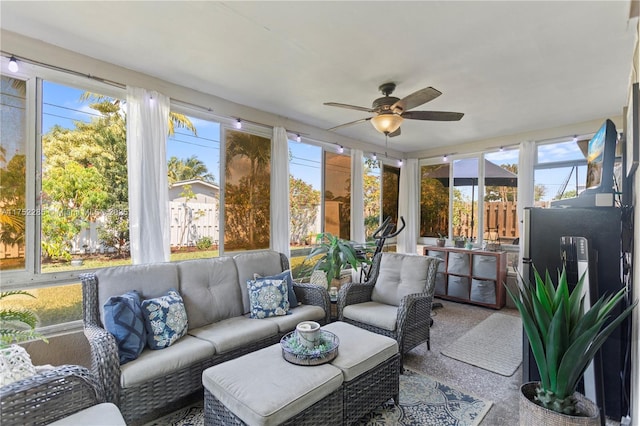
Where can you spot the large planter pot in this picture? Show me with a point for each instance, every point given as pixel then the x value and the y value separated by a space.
pixel 532 414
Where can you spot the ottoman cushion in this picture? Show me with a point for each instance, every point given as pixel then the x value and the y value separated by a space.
pixel 104 414
pixel 360 350
pixel 262 388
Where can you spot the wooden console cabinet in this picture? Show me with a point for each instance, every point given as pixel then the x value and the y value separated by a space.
pixel 471 276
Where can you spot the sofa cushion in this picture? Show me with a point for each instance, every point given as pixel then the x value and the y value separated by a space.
pixel 298 314
pixel 150 280
pixel 268 298
pixel 399 276
pixel 265 263
pixel 234 333
pixel 106 413
pixel 123 319
pixel 153 364
pixel 165 319
pixel 209 288
pixel 377 314
pixel 285 275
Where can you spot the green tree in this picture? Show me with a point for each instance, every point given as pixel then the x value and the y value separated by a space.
pixel 304 203
pixel 179 169
pixel 371 189
pixel 247 191
pixel 12 178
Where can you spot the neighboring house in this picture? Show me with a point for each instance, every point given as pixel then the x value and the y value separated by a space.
pixel 194 209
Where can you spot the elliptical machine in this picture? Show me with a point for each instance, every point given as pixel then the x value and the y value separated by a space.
pixel 386 230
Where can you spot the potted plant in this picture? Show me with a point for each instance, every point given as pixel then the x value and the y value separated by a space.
pixel 564 339
pixel 335 254
pixel 442 240
pixel 16 325
pixel 459 241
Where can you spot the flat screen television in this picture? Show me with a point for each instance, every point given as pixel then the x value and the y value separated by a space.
pixel 601 155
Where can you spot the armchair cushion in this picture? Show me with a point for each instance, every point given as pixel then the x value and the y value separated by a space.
pixel 123 318
pixel 377 314
pixel 165 319
pixel 399 276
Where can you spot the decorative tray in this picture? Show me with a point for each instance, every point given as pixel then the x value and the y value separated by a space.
pixel 324 352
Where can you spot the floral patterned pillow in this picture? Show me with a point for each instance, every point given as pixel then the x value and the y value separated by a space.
pixel 165 319
pixel 268 298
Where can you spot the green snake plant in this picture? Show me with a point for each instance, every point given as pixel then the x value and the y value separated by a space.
pixel 564 338
pixel 17 324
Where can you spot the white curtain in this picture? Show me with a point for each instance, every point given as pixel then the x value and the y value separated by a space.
pixel 147 128
pixel 409 206
pixel 526 162
pixel 280 191
pixel 357 197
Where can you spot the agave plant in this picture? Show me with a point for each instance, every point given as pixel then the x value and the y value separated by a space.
pixel 564 337
pixel 336 254
pixel 17 324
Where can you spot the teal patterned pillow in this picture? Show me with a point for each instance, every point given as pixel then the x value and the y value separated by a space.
pixel 268 298
pixel 165 318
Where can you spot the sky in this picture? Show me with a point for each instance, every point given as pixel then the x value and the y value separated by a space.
pixel 62 105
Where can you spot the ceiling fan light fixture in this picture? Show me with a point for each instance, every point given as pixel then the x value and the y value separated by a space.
pixel 387 122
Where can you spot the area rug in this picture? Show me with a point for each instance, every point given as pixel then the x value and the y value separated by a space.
pixel 423 401
pixel 494 345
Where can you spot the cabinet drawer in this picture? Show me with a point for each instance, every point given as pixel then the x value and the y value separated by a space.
pixel 441 284
pixel 458 263
pixel 458 287
pixel 483 291
pixel 485 267
pixel 440 255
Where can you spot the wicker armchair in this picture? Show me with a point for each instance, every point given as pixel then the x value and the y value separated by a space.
pixel 396 301
pixel 49 396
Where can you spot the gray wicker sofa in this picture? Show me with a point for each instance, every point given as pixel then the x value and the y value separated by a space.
pixel 217 304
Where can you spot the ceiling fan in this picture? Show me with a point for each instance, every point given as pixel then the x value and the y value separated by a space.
pixel 390 111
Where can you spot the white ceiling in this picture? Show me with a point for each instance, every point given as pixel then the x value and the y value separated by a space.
pixel 511 67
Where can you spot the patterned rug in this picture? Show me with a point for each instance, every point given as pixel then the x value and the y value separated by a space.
pixel 423 402
pixel 494 345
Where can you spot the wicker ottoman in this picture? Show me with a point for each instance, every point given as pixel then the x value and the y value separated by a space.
pixel 261 388
pixel 370 364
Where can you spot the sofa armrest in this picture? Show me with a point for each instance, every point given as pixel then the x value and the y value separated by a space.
pixel 352 293
pixel 311 294
pixel 49 396
pixel 105 361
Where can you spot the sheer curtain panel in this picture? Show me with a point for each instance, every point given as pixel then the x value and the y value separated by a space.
pixel 280 191
pixel 409 206
pixel 147 129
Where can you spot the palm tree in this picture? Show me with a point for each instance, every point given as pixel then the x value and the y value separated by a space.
pixel 188 169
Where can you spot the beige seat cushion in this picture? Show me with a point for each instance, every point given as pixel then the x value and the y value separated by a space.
pixel 298 314
pixel 261 388
pixel 233 333
pixel 373 313
pixel 157 363
pixel 360 350
pixel 106 414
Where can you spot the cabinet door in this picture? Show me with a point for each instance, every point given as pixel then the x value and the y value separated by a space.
pixel 485 267
pixel 483 291
pixel 458 263
pixel 458 287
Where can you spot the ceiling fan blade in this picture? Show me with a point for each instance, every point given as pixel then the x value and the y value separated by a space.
pixel 415 99
pixel 350 123
pixel 433 115
pixel 357 108
pixel 396 133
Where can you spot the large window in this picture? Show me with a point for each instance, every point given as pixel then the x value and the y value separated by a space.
pixel 372 196
pixel 337 194
pixel 247 191
pixel 434 200
pixel 561 170
pixel 13 169
pixel 193 167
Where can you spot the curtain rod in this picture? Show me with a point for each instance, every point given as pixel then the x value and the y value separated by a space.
pixel 124 86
